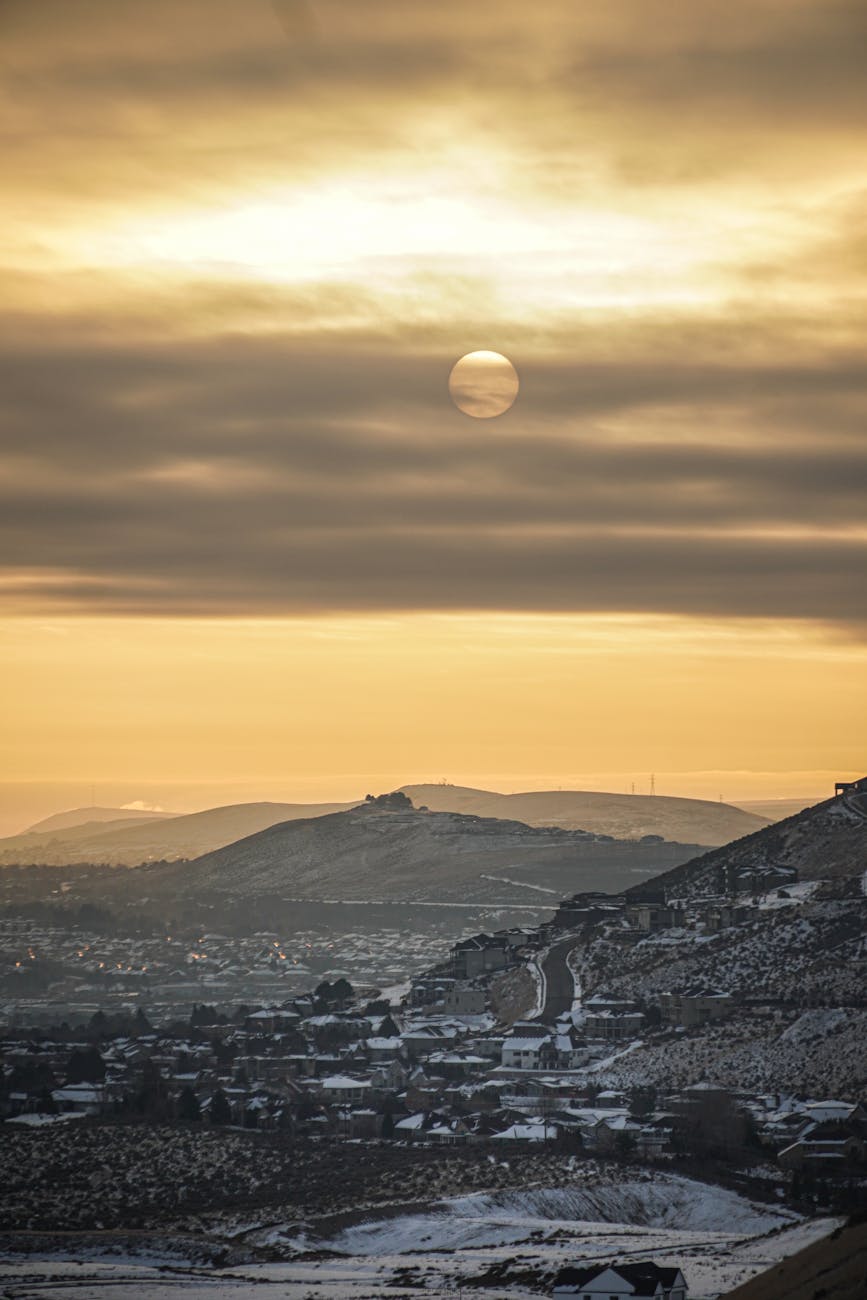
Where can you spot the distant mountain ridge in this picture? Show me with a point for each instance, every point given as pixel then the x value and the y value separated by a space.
pixel 625 816
pixel 126 837
pixel 77 817
pixel 134 840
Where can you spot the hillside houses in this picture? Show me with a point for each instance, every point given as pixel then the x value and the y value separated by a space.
pixel 483 953
pixel 695 1005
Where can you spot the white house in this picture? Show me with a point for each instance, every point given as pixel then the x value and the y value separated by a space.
pixel 81 1098
pixel 342 1087
pixel 643 1281
pixel 529 1047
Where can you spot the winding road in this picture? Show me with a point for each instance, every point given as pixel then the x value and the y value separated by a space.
pixel 559 981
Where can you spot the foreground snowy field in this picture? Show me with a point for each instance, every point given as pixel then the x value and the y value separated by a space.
pixel 507 1243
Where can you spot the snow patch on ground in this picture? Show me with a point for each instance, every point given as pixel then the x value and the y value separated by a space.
pixel 39 1121
pixel 534 966
pixel 510 1217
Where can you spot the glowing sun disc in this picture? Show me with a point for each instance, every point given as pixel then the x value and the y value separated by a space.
pixel 483 384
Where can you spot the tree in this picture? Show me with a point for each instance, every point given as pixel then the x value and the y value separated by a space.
pixel 220 1111
pixel 85 1065
pixel 141 1024
pixel 47 1105
pixel 624 1144
pixel 188 1106
pixel 387 1130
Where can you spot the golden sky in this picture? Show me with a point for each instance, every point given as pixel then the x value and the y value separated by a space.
pixel 246 536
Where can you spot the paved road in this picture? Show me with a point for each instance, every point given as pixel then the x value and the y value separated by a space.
pixel 560 985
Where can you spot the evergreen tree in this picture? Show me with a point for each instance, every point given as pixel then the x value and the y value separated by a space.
pixel 85 1065
pixel 188 1106
pixel 220 1111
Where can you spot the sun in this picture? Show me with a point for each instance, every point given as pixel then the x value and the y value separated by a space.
pixel 483 384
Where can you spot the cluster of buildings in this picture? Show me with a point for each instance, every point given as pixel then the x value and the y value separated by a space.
pixel 647 911
pixel 338 1064
pixel 49 973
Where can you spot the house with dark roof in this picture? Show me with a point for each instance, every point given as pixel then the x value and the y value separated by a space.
pixel 641 1281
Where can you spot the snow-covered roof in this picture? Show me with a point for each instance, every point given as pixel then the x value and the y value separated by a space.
pixel 526 1133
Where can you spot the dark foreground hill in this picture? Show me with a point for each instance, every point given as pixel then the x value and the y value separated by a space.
pixel 834 1268
pixel 825 842
pixel 789 960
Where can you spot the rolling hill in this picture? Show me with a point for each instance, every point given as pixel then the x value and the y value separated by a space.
pixel 77 817
pixel 133 841
pixel 371 854
pixel 625 816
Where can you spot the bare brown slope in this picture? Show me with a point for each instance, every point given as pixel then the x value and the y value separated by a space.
pixel 834 1268
pixel 827 841
pixel 625 816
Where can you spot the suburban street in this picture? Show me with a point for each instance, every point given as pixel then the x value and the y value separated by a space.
pixel 559 983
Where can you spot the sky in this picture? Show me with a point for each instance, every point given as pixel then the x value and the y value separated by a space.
pixel 247 540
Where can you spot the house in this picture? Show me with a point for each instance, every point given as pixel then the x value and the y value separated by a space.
pixel 343 1088
pixel 530 1131
pixel 758 880
pixel 464 1000
pixel 851 787
pixel 643 1281
pixel 421 1040
pixel 652 917
pixel 696 1005
pixel 80 1098
pixel 530 1046
pixel 481 953
pixel 824 1148
pixel 614 1026
pixel 588 909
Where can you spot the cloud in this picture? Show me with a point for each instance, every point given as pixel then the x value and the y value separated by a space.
pixel 260 475
pixel 682 305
